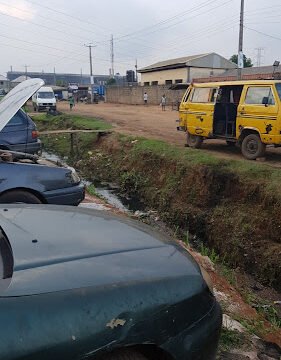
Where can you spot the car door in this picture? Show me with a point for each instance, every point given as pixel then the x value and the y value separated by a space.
pixel 258 109
pixel 200 111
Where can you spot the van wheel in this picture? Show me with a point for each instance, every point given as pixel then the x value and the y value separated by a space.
pixel 252 147
pixel 194 141
pixel 19 196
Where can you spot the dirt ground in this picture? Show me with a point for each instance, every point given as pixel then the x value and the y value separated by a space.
pixel 151 122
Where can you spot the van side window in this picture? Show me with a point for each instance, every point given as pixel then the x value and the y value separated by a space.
pixel 258 95
pixel 204 95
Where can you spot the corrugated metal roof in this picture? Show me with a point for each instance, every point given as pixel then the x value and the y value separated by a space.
pixel 253 71
pixel 3 78
pixel 21 79
pixel 171 62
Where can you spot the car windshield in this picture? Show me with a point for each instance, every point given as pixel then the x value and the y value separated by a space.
pixel 278 88
pixel 45 95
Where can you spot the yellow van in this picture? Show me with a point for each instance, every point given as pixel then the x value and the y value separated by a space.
pixel 247 113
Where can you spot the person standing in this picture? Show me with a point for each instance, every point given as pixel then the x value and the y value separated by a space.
pixel 163 102
pixel 145 98
pixel 71 102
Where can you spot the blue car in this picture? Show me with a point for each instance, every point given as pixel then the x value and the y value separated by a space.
pixel 20 134
pixel 31 181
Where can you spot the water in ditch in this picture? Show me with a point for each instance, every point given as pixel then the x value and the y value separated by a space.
pixel 108 192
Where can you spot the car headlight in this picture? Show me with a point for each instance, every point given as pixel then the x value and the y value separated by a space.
pixel 207 279
pixel 72 176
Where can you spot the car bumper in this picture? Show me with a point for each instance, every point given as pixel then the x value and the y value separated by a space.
pixel 200 341
pixel 67 196
pixel 30 148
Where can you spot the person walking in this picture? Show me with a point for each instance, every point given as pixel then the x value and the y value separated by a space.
pixel 163 102
pixel 71 102
pixel 145 98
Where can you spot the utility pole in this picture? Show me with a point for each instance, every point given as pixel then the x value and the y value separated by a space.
pixel 26 66
pixel 55 80
pixel 240 61
pixel 259 55
pixel 112 56
pixel 91 69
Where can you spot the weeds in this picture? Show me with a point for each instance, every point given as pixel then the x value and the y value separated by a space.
pixel 211 253
pixel 230 339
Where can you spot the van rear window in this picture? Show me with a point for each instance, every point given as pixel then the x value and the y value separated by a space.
pixel 204 95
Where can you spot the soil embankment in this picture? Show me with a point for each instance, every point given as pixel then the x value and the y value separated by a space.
pixel 237 216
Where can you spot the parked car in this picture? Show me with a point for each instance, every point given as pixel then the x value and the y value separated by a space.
pixel 84 284
pixel 20 134
pixel 33 182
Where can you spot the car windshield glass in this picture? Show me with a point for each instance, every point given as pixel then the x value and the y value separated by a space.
pixel 278 88
pixel 45 95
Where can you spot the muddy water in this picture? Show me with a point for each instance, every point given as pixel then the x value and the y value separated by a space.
pixel 107 191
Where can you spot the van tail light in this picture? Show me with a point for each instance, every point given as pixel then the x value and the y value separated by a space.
pixel 34 134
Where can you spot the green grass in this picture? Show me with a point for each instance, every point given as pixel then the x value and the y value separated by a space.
pixel 66 121
pixel 230 339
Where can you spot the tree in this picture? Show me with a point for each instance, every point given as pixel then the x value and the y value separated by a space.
pixel 111 81
pixel 247 61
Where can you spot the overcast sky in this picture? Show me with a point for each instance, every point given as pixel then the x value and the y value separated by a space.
pixel 53 33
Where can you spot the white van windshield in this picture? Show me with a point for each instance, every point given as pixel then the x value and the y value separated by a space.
pixel 45 95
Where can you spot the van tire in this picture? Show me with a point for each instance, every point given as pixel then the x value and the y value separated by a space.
pixel 252 147
pixel 194 141
pixel 19 196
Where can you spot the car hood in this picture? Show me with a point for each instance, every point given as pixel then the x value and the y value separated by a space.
pixel 58 248
pixel 16 98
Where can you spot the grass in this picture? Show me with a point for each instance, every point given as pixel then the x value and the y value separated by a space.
pixel 230 339
pixel 66 121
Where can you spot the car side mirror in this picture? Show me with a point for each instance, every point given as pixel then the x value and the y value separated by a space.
pixel 265 100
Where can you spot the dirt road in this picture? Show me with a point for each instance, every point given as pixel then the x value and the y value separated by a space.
pixel 152 122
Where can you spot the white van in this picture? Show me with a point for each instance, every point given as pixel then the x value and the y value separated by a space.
pixel 44 99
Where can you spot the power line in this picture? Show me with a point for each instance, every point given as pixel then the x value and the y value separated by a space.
pixel 262 33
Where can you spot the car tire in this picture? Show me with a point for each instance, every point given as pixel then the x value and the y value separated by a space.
pixel 252 147
pixel 124 355
pixel 194 141
pixel 19 196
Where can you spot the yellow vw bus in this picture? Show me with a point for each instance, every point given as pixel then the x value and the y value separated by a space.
pixel 247 113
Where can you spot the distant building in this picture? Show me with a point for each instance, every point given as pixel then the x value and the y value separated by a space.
pixel 249 73
pixel 18 80
pixel 4 83
pixel 59 78
pixel 185 69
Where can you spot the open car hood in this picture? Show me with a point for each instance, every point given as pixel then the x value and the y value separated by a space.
pixel 15 99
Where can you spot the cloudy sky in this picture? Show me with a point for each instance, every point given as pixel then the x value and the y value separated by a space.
pixel 47 34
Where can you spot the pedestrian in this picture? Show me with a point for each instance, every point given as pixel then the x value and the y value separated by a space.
pixel 145 98
pixel 71 102
pixel 163 102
